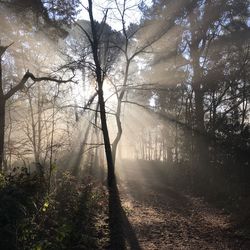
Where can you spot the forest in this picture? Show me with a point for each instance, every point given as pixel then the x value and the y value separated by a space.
pixel 124 124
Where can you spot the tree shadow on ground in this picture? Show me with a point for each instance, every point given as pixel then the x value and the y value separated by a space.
pixel 121 231
pixel 171 217
pixel 149 185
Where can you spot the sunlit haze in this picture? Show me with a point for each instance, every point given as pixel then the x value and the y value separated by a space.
pixel 128 130
pixel 133 15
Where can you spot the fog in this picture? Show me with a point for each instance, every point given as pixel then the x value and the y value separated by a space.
pixel 130 117
pixel 160 67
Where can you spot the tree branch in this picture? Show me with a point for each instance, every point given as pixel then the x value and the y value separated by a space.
pixel 28 76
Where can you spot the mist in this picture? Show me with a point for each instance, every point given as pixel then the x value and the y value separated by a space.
pixel 124 124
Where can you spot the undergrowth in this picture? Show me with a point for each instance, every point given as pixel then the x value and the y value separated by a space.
pixel 72 216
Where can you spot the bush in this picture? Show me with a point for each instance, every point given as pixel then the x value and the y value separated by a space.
pixel 65 219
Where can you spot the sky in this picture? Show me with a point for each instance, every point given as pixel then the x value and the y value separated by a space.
pixel 133 14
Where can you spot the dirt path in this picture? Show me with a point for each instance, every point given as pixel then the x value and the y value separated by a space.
pixel 164 218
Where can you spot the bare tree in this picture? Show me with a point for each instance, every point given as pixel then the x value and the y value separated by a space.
pixel 100 76
pixel 5 96
pixel 130 50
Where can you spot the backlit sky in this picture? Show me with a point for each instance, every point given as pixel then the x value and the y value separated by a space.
pixel 133 15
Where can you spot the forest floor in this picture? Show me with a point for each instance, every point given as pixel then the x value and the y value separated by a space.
pixel 163 217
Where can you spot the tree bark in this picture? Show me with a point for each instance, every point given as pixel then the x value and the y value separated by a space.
pixel 100 78
pixel 2 116
pixel 105 132
pixel 195 53
pixel 118 112
pixel 2 127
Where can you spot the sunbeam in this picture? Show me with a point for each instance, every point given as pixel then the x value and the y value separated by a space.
pixel 124 124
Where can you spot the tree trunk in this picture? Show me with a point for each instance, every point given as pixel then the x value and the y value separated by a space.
pixel 195 53
pixel 99 79
pixel 2 117
pixel 118 136
pixel 34 140
pixel 118 112
pixel 196 83
pixel 111 169
pixel 169 156
pixel 2 127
